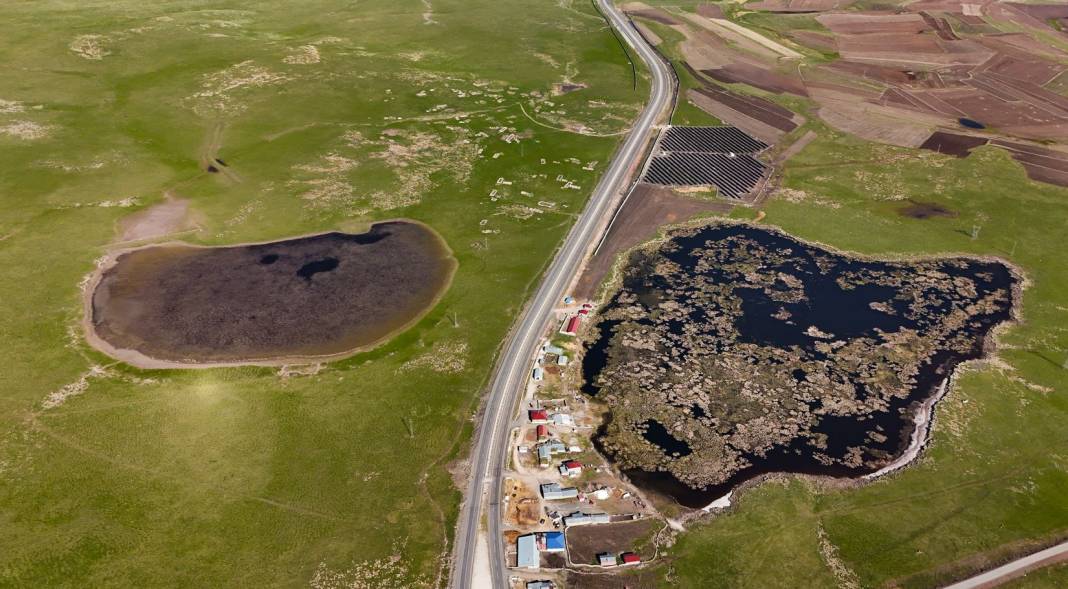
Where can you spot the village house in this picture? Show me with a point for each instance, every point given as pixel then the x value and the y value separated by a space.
pixel 630 558
pixel 571 468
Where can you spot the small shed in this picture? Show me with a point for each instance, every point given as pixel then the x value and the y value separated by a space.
pixel 606 559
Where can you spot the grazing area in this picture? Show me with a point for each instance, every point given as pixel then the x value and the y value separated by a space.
pixel 847 348
pixel 324 116
pixel 310 297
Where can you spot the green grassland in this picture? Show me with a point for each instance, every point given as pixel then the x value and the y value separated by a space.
pixel 329 115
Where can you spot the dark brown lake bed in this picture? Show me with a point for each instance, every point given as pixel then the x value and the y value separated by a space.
pixel 308 298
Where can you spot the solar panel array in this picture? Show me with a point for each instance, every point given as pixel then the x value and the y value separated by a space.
pixel 710 140
pixel 733 176
pixel 708 156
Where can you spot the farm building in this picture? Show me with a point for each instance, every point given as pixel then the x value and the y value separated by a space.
pixel 554 492
pixel 547 450
pixel 540 585
pixel 561 360
pixel 538 374
pixel 630 558
pixel 554 541
pixel 571 326
pixel 543 432
pixel 571 468
pixel 584 519
pixel 527 554
pixel 551 349
pixel 538 416
pixel 563 419
pixel 606 559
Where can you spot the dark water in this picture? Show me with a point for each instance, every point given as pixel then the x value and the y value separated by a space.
pixel 844 312
pixel 312 268
pixel 657 434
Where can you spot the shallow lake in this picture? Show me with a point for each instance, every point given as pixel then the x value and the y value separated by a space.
pixel 317 296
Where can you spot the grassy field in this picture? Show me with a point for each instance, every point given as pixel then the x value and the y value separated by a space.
pixel 329 115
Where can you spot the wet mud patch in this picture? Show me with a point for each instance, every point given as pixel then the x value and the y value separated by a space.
pixel 731 352
pixel 925 210
pixel 311 297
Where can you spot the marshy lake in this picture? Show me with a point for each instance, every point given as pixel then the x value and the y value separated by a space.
pixel 314 297
pixel 730 352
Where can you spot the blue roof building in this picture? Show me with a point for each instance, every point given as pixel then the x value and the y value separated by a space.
pixel 554 541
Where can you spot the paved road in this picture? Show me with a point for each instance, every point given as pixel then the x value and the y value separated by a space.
pixel 490 452
pixel 995 577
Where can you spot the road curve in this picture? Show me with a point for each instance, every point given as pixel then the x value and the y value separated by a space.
pixel 490 451
pixel 1004 573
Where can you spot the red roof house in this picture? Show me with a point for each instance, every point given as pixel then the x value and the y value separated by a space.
pixel 538 416
pixel 630 558
pixel 572 325
pixel 543 432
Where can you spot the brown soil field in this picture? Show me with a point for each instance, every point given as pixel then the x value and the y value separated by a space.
pixel 710 11
pixel 654 15
pixel 1040 163
pixel 758 109
pixel 925 210
pixel 877 123
pixel 878 73
pixel 871 24
pixel 758 77
pixel 953 143
pixel 706 101
pixel 911 50
pixel 1034 71
pixel 940 26
pixel 308 298
pixel 798 5
pixel 814 40
pixel 634 579
pixel 647 209
pixel 586 542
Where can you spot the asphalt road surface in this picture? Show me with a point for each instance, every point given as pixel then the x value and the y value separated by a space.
pixel 995 577
pixel 490 452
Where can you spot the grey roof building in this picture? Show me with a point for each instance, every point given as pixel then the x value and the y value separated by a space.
pixel 527 554
pixel 554 492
